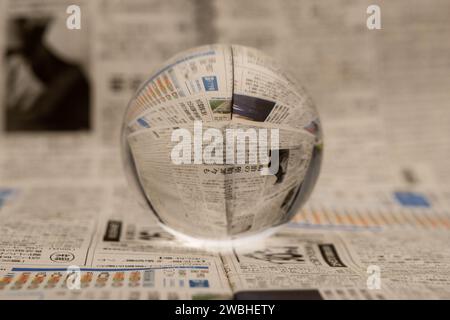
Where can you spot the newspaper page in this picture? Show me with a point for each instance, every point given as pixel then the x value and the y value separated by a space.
pixel 69 226
pixel 381 177
pixel 305 264
pixel 55 254
pixel 376 225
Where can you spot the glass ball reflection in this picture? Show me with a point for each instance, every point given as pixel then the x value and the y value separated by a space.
pixel 221 144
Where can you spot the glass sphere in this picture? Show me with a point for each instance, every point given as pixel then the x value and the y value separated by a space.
pixel 220 144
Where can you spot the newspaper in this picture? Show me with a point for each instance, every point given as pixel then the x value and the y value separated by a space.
pixel 118 255
pixel 336 265
pixel 375 227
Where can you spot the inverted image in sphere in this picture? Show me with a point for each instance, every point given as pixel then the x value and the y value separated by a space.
pixel 220 143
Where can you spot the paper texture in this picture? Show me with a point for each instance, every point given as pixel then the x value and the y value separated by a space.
pixel 376 226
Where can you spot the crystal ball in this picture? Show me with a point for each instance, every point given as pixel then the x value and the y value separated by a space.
pixel 221 144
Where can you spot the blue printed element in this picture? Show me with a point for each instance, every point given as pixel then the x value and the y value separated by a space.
pixel 20 269
pixel 143 123
pixel 411 199
pixel 5 194
pixel 210 83
pixel 198 283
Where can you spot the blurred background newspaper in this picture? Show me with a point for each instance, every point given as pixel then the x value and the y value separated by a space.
pixel 377 225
